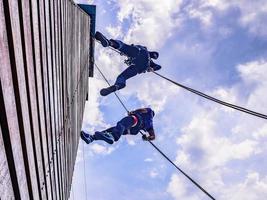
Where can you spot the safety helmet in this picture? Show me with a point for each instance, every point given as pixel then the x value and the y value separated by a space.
pixel 153 113
pixel 153 54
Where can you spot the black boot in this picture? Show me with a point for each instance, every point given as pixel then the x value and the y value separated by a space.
pixel 86 137
pixel 100 37
pixel 108 90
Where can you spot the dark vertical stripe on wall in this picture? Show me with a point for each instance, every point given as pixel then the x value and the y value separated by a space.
pixel 51 162
pixel 27 86
pixel 63 87
pixel 37 100
pixel 60 91
pixel 13 64
pixel 62 19
pixel 37 97
pixel 7 144
pixel 48 174
pixel 57 53
pixel 53 99
pixel 6 138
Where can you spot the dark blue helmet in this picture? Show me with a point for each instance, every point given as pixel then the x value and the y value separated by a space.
pixel 153 113
pixel 153 54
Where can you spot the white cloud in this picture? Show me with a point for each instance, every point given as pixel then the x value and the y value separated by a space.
pixel 254 72
pixel 148 160
pixel 253 14
pixel 215 139
pixel 148 90
pixel 131 139
pixel 252 188
pixel 177 188
pixel 205 16
pixel 115 32
pixel 101 149
pixel 261 133
pixel 153 173
pixel 201 138
pixel 84 1
pixel 92 114
pixel 153 21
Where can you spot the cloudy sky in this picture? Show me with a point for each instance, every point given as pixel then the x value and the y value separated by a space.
pixel 215 46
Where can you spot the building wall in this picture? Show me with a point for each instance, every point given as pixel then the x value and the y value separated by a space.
pixel 44 67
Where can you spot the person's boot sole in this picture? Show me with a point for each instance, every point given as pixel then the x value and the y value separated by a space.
pixel 104 92
pixel 100 37
pixel 107 91
pixel 84 138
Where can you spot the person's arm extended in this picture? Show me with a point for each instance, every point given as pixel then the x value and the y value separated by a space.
pixel 151 136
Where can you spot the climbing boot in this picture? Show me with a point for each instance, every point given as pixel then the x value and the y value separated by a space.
pixel 108 90
pixel 103 40
pixel 86 137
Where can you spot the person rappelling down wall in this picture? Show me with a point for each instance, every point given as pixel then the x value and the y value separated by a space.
pixel 140 119
pixel 139 60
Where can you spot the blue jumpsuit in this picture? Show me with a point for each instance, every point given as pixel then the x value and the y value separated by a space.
pixel 124 126
pixel 139 61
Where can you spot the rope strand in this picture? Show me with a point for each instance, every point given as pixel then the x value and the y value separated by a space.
pixel 85 182
pixel 242 109
pixel 187 176
pixel 110 85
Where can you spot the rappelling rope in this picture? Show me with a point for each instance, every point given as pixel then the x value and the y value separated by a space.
pixel 164 155
pixel 242 109
pixel 84 175
pixel 110 85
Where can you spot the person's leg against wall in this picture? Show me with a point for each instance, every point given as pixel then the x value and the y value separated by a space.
pixel 120 81
pixel 128 50
pixel 87 137
pixel 104 135
pixel 130 72
pixel 102 39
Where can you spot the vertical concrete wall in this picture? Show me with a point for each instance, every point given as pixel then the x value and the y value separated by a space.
pixel 44 67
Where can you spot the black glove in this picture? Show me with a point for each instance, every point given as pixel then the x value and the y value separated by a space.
pixel 144 137
pixel 150 69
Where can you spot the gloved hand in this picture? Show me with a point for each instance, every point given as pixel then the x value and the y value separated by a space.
pixel 145 138
pixel 150 69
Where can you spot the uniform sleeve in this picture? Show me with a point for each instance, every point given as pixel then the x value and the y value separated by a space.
pixel 151 133
pixel 155 66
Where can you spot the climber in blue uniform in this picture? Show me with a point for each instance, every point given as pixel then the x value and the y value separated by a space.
pixel 139 60
pixel 140 119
